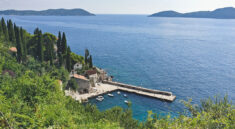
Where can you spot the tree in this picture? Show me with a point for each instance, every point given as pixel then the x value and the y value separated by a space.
pixel 40 47
pixel 22 37
pixel 18 45
pixel 36 31
pixel 63 44
pixel 59 43
pixel 11 32
pixel 90 62
pixel 68 59
pixel 4 28
pixel 86 56
pixel 49 40
pixel 73 84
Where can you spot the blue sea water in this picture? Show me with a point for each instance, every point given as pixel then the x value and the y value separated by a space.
pixel 193 58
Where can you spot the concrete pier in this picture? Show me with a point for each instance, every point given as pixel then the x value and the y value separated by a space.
pixel 109 86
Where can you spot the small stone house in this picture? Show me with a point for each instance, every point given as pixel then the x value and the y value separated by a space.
pixel 93 76
pixel 77 66
pixel 83 83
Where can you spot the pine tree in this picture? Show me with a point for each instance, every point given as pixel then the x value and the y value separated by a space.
pixel 68 59
pixel 4 28
pixel 90 62
pixel 11 32
pixel 86 56
pixel 22 37
pixel 18 45
pixel 63 44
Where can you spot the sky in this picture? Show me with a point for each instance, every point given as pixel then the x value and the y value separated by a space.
pixel 119 6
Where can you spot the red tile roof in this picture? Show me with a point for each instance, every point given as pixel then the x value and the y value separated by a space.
pixel 91 72
pixel 13 49
pixel 80 77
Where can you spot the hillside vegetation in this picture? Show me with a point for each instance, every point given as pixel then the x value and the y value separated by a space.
pixel 31 96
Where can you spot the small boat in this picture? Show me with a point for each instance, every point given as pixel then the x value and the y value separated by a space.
pixel 125 95
pixel 111 95
pixel 100 98
pixel 119 92
pixel 126 101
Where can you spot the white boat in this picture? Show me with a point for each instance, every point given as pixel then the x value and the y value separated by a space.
pixel 111 95
pixel 119 92
pixel 125 95
pixel 126 101
pixel 100 98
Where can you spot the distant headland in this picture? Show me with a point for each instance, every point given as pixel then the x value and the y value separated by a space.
pixel 49 12
pixel 221 13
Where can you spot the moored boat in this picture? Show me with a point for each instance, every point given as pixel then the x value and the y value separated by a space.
pixel 111 95
pixel 100 98
pixel 126 101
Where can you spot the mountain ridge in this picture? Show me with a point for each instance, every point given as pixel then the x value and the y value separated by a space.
pixel 48 12
pixel 220 13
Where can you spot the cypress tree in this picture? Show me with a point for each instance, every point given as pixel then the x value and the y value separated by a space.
pixel 11 32
pixel 60 59
pixel 36 31
pixel 59 43
pixel 1 34
pixel 63 44
pixel 40 47
pixel 68 59
pixel 22 37
pixel 18 45
pixel 51 53
pixel 86 56
pixel 4 28
pixel 90 62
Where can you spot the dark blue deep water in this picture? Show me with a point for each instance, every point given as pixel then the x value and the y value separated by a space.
pixel 193 58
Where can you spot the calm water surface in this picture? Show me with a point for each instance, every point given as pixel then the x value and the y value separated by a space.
pixel 193 58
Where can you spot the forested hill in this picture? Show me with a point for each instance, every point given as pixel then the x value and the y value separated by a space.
pixel 32 67
pixel 49 12
pixel 222 13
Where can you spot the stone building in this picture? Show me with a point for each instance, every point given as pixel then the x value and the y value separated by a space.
pixel 93 76
pixel 83 83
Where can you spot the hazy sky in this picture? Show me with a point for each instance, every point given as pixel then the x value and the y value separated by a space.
pixel 118 6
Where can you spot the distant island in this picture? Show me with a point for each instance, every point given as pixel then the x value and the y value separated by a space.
pixel 49 12
pixel 222 13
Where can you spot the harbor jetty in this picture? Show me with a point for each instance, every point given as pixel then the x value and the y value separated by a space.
pixel 110 86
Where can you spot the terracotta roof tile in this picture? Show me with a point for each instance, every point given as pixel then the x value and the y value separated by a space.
pixel 13 49
pixel 80 77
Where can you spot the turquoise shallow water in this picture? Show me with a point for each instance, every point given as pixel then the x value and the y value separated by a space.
pixel 190 57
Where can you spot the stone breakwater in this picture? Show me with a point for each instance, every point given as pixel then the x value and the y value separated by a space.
pixel 162 95
pixel 109 86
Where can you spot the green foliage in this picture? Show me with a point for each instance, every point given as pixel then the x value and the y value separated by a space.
pixel 90 62
pixel 68 59
pixel 64 44
pixel 73 84
pixel 76 59
pixel 4 29
pixel 11 31
pixel 86 56
pixel 19 46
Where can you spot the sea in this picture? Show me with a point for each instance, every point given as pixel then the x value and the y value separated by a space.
pixel 190 57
